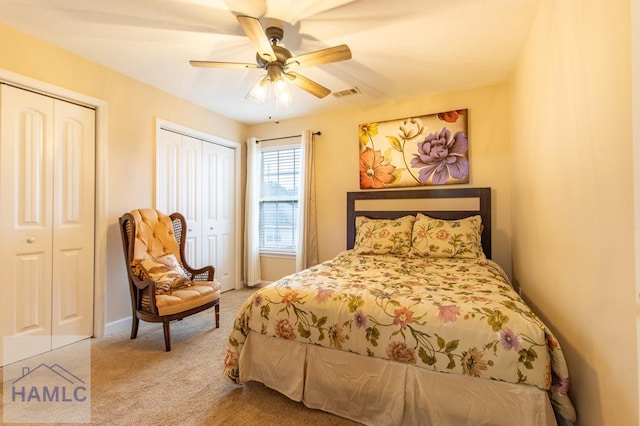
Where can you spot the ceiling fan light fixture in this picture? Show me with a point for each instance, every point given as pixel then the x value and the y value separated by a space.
pixel 271 86
pixel 259 91
pixel 282 93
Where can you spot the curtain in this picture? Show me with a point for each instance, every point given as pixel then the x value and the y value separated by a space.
pixel 252 272
pixel 307 254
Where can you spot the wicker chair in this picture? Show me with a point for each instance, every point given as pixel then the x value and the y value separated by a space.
pixel 152 240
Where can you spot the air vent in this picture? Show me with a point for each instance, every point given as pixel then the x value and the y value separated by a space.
pixel 346 92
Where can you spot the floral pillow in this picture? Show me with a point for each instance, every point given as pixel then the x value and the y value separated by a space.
pixel 447 238
pixel 383 236
pixel 166 271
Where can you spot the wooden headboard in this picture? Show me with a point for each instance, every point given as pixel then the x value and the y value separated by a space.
pixel 400 206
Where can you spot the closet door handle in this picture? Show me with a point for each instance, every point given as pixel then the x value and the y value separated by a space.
pixel 31 240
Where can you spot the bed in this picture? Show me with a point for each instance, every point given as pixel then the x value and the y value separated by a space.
pixel 412 324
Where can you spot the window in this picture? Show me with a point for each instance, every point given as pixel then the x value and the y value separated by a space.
pixel 280 181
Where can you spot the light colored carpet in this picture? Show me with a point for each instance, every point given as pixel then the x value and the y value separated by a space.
pixel 135 382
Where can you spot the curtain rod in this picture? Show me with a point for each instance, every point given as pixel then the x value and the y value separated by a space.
pixel 286 137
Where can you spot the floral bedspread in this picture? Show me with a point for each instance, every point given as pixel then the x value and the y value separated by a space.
pixel 449 315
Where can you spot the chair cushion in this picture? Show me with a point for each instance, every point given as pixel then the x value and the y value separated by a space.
pixel 199 293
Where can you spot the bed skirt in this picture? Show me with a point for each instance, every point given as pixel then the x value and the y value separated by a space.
pixel 375 391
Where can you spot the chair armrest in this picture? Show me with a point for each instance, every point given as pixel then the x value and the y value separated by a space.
pixel 143 293
pixel 205 273
pixel 142 284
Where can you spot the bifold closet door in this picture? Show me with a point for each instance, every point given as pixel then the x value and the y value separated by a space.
pixel 178 186
pixel 26 217
pixel 192 198
pixel 198 179
pixel 47 161
pixel 218 201
pixel 73 223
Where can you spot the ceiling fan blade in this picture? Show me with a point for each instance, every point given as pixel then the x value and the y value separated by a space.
pixel 319 57
pixel 301 10
pixel 310 86
pixel 247 7
pixel 150 14
pixel 253 29
pixel 214 64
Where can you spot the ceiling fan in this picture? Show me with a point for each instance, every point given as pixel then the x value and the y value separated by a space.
pixel 278 60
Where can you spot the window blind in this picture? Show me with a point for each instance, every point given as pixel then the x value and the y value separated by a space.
pixel 280 181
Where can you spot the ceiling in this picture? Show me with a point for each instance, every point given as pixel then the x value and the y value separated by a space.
pixel 400 48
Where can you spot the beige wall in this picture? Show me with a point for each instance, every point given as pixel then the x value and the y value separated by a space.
pixel 132 110
pixel 573 224
pixel 337 161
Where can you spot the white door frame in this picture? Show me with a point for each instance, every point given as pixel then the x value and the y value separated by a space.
pixel 100 232
pixel 168 125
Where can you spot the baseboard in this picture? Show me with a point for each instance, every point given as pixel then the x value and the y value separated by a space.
pixel 118 326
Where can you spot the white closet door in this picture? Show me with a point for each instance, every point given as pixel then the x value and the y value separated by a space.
pixel 26 149
pixel 46 223
pixel 73 223
pixel 178 186
pixel 168 147
pixel 192 196
pixel 202 176
pixel 218 247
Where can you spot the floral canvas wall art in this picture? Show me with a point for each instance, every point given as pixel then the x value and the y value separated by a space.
pixel 425 150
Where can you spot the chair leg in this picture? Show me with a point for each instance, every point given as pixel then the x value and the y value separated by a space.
pixel 217 308
pixel 135 321
pixel 167 336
